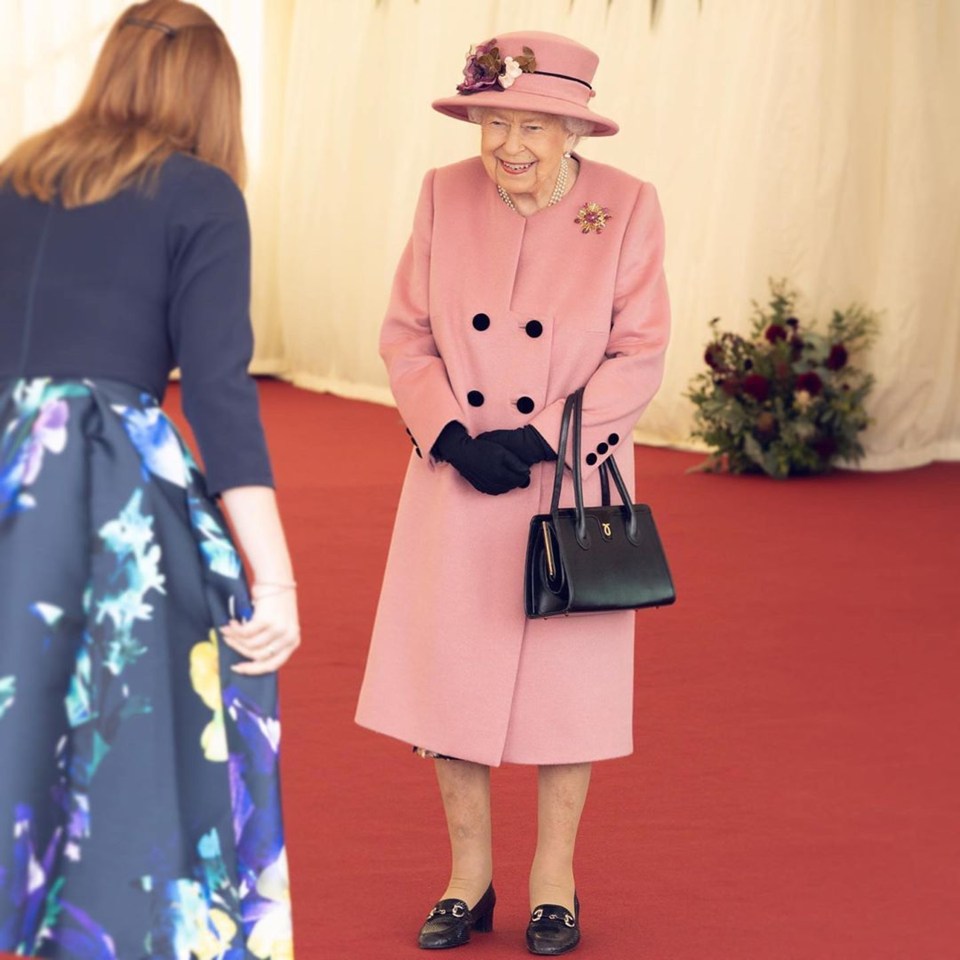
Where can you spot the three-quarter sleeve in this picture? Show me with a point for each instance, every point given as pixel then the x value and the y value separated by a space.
pixel 418 375
pixel 211 336
pixel 625 382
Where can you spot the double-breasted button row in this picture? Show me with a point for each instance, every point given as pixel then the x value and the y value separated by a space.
pixel 532 328
pixel 524 404
pixel 602 448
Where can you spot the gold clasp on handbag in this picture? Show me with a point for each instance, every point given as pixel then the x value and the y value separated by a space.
pixel 607 532
pixel 551 569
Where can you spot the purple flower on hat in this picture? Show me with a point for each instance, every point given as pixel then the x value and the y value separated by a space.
pixel 484 69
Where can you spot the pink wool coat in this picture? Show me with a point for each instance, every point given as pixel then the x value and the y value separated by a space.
pixel 493 320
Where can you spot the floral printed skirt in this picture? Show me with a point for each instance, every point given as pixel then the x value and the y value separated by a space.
pixel 139 793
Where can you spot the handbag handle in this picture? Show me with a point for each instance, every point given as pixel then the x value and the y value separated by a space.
pixel 573 411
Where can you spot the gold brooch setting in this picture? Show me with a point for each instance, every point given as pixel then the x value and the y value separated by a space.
pixel 592 218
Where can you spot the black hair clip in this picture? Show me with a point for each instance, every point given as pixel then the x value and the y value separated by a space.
pixel 164 28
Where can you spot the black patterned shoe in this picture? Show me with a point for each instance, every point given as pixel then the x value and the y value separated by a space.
pixel 553 930
pixel 450 922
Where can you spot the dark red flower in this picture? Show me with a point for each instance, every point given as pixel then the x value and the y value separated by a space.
pixel 796 347
pixel 756 386
pixel 809 381
pixel 775 332
pixel 838 357
pixel 712 357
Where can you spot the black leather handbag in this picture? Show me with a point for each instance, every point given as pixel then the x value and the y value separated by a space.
pixel 592 559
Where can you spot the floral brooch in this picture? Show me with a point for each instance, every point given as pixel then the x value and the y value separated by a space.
pixel 592 218
pixel 485 70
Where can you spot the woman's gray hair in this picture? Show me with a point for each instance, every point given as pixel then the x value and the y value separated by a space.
pixel 575 126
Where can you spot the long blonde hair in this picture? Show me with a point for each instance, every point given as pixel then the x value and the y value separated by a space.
pixel 165 81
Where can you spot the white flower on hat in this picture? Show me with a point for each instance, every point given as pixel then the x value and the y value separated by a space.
pixel 511 70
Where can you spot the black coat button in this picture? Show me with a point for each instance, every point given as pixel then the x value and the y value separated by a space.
pixel 481 321
pixel 613 439
pixel 525 405
pixel 602 448
pixel 475 398
pixel 591 459
pixel 534 328
pixel 419 454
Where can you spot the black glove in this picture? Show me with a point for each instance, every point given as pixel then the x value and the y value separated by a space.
pixel 490 467
pixel 523 442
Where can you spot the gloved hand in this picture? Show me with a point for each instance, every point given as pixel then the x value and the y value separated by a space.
pixel 488 466
pixel 523 442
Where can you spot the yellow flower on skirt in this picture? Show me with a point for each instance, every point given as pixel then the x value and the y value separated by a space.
pixel 272 936
pixel 216 938
pixel 205 677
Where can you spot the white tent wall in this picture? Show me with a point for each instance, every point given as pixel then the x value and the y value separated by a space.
pixel 814 141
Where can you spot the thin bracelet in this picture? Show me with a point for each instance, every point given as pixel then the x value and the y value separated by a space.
pixel 272 589
pixel 289 585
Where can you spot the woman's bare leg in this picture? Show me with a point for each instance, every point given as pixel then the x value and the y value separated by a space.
pixel 465 790
pixel 562 792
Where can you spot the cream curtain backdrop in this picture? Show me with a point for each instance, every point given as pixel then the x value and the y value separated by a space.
pixel 816 141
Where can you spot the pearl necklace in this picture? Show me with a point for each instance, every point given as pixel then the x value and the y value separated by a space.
pixel 558 187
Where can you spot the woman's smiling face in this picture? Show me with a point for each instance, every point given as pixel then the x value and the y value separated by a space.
pixel 522 151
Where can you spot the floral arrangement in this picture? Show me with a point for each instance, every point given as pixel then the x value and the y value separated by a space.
pixel 785 400
pixel 485 70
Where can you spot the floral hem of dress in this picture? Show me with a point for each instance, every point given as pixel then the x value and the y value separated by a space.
pixel 431 754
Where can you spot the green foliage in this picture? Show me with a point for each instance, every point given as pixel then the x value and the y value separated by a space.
pixel 785 400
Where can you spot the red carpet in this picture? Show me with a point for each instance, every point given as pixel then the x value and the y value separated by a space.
pixel 796 786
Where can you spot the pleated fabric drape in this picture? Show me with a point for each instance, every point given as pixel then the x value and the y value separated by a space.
pixel 813 141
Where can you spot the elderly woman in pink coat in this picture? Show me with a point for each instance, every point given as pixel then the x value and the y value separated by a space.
pixel 531 272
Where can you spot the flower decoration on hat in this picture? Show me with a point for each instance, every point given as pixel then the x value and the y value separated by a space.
pixel 485 70
pixel 592 218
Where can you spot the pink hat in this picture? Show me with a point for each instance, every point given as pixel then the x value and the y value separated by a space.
pixel 539 72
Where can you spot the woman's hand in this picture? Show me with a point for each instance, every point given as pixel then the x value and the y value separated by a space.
pixel 524 442
pixel 273 633
pixel 270 636
pixel 489 467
